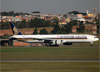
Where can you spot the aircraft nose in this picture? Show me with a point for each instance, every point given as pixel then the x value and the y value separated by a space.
pixel 97 39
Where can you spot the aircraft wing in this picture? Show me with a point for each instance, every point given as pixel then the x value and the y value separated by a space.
pixel 23 39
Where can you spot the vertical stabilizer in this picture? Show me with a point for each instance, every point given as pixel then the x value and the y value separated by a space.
pixel 14 29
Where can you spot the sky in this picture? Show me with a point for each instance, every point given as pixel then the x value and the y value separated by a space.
pixel 49 6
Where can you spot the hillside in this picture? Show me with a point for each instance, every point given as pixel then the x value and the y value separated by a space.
pixel 24 30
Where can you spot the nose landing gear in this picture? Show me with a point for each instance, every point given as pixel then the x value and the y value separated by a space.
pixel 91 44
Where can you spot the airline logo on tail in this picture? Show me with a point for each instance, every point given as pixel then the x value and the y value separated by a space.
pixel 14 29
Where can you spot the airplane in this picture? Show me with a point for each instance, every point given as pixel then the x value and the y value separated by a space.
pixel 52 39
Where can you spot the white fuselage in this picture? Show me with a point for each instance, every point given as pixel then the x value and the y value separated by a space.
pixel 64 37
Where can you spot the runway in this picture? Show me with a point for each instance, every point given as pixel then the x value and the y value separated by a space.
pixel 48 60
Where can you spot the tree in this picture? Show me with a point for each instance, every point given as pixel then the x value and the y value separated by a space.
pixel 4 13
pixel 81 28
pixel 16 14
pixel 78 30
pixel 74 12
pixel 39 23
pixel 98 28
pixel 4 25
pixel 43 31
pixel 65 15
pixel 35 31
pixel 73 22
pixel 21 13
pixel 11 13
pixel 62 30
pixel 56 20
pixel 56 29
pixel 36 12
pixel 22 24
pixel 98 23
pixel 68 28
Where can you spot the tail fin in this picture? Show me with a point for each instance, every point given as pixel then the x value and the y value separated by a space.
pixel 14 29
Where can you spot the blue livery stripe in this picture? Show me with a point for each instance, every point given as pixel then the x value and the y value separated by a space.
pixel 14 29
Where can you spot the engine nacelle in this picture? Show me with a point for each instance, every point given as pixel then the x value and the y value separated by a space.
pixel 56 42
pixel 67 43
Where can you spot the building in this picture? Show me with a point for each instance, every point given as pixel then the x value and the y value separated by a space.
pixel 17 18
pixel 74 29
pixel 36 14
pixel 90 15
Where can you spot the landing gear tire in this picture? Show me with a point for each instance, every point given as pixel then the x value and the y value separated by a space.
pixel 91 44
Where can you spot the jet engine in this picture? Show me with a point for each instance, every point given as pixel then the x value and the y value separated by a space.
pixel 67 43
pixel 56 42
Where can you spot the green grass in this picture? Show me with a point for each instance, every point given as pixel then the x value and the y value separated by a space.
pixel 59 53
pixel 50 66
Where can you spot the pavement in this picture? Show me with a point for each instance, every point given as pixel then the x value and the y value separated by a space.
pixel 47 60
